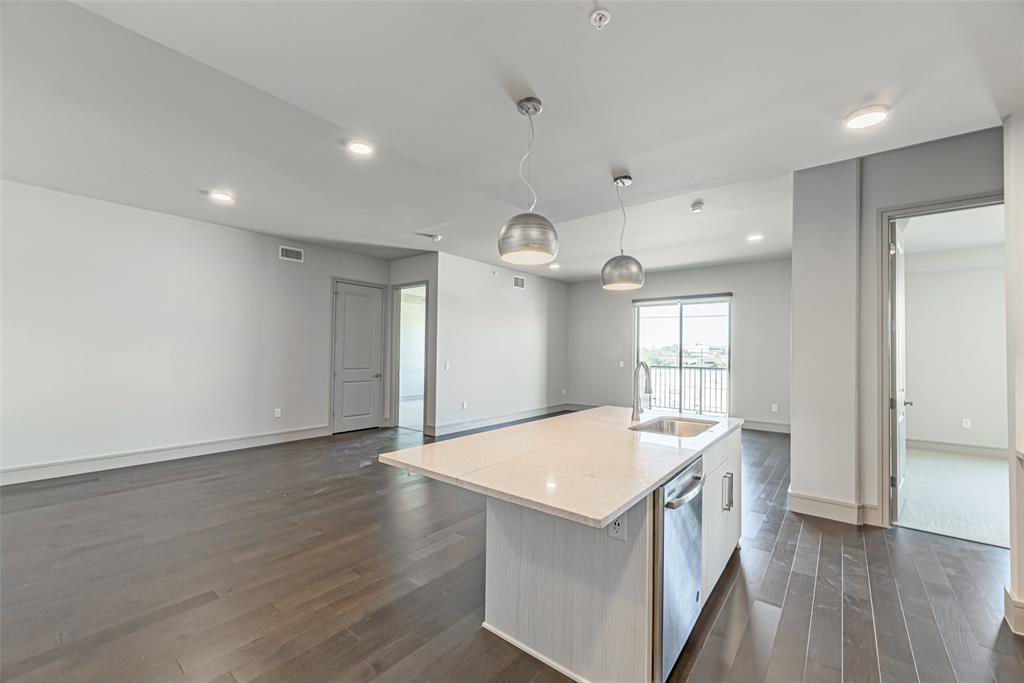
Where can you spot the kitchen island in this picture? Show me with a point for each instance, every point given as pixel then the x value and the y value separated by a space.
pixel 578 566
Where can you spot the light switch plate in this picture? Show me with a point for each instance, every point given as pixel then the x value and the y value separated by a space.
pixel 968 423
pixel 775 407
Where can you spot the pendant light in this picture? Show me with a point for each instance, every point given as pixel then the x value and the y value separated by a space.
pixel 528 239
pixel 622 272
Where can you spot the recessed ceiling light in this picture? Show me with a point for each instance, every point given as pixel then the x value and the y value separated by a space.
pixel 756 237
pixel 554 266
pixel 865 117
pixel 221 197
pixel 360 147
pixel 697 206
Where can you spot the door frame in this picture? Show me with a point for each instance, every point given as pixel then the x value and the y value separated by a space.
pixel 681 300
pixel 335 281
pixel 887 367
pixel 395 359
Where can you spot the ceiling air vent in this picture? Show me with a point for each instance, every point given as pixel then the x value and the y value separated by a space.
pixel 518 282
pixel 290 254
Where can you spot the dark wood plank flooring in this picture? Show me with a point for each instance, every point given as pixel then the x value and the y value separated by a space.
pixel 311 562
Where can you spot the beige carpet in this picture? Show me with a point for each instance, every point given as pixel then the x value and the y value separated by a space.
pixel 966 496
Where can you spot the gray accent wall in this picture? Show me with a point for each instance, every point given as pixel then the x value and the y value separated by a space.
pixel 601 329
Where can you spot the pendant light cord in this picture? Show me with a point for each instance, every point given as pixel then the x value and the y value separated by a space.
pixel 618 193
pixel 522 163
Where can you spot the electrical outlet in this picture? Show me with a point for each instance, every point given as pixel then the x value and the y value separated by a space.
pixel 968 423
pixel 465 404
pixel 563 391
pixel 622 363
pixel 775 407
pixel 277 412
pixel 617 529
pixel 447 365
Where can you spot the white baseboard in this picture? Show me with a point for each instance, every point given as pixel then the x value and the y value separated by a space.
pixel 959 448
pixel 1014 612
pixel 838 510
pixel 533 653
pixel 110 461
pixel 766 426
pixel 456 427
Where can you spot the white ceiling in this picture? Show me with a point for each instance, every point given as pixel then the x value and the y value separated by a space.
pixel 714 100
pixel 966 228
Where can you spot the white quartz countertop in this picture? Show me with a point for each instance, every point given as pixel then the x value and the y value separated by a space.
pixel 587 466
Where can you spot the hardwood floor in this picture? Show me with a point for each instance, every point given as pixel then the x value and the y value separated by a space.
pixel 311 562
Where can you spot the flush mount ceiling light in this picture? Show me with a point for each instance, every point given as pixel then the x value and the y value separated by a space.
pixel 756 237
pixel 221 197
pixel 528 239
pixel 622 272
pixel 360 148
pixel 697 206
pixel 865 117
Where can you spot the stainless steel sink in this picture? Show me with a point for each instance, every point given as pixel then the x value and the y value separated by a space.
pixel 675 426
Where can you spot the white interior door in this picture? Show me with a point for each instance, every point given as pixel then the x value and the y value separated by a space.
pixel 898 325
pixel 358 357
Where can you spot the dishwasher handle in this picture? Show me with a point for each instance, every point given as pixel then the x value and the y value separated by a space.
pixel 688 493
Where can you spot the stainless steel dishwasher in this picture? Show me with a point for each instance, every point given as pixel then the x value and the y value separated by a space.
pixel 677 559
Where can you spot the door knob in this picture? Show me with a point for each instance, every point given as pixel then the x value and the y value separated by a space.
pixel 376 374
pixel 908 403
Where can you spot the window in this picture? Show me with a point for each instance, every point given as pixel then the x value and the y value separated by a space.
pixel 686 343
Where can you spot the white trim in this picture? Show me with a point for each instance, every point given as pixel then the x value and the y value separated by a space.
pixel 958 448
pixel 766 426
pixel 1013 611
pixel 110 461
pixel 533 653
pixel 838 510
pixel 456 427
pixel 886 435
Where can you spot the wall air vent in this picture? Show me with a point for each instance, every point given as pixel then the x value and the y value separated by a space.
pixel 290 254
pixel 518 282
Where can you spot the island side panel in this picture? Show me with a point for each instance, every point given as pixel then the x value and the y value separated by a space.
pixel 571 594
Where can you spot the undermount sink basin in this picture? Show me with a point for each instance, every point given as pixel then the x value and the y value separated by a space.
pixel 675 426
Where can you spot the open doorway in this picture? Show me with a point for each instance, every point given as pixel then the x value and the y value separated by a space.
pixel 948 426
pixel 410 354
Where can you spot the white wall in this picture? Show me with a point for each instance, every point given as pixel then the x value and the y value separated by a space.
pixel 126 330
pixel 601 335
pixel 506 347
pixel 964 166
pixel 1014 197
pixel 823 445
pixel 412 335
pixel 956 347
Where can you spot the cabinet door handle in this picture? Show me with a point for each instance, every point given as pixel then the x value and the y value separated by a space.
pixel 727 495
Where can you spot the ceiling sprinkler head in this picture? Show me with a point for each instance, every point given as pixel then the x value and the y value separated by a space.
pixel 697 206
pixel 599 18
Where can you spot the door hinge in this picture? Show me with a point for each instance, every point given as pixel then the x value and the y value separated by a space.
pixel 892 481
pixel 892 248
pixel 892 404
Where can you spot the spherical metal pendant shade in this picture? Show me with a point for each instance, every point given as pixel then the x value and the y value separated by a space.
pixel 622 273
pixel 528 239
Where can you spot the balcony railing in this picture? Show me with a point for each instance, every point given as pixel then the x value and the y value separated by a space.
pixel 695 389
